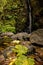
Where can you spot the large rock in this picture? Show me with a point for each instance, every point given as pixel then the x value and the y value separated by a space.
pixel 21 36
pixel 37 37
pixel 6 38
pixel 7 34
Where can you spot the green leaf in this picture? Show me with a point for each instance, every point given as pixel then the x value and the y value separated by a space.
pixel 2 4
pixel 24 60
pixel 8 28
pixel 20 49
pixel 31 61
pixel 20 60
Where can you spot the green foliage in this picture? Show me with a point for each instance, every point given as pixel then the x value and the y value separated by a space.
pixel 2 4
pixel 20 60
pixel 7 28
pixel 12 22
pixel 12 12
pixel 20 49
pixel 31 61
pixel 23 60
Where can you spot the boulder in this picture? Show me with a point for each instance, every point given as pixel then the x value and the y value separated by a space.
pixel 21 36
pixel 37 37
pixel 6 37
pixel 7 34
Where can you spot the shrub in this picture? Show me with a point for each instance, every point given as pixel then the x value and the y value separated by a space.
pixel 20 49
pixel 7 28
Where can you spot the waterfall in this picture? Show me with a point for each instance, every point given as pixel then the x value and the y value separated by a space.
pixel 30 19
pixel 29 15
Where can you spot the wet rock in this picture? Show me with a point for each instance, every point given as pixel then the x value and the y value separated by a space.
pixel 36 37
pixel 6 37
pixel 5 41
pixel 21 36
pixel 7 34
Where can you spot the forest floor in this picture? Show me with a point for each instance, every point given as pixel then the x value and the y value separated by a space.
pixel 8 42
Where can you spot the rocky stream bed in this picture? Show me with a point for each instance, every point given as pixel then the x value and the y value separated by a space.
pixel 33 41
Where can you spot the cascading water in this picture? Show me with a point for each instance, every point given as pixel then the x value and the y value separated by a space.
pixel 29 15
pixel 30 19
